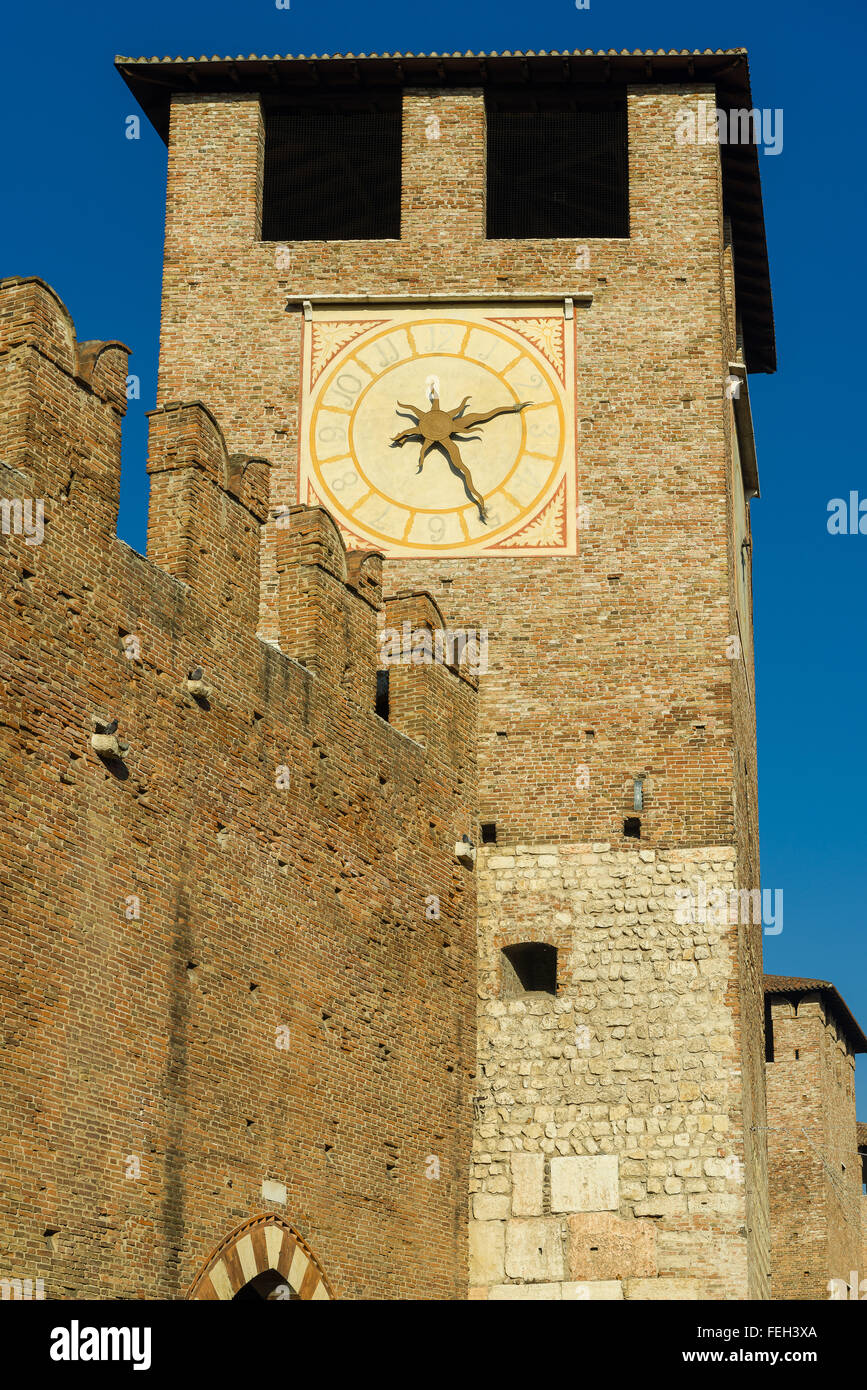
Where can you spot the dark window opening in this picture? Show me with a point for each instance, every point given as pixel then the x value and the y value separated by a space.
pixel 863 1171
pixel 769 1032
pixel 632 828
pixel 332 173
pixel 530 966
pixel 382 694
pixel 268 1286
pixel 558 165
pixel 489 832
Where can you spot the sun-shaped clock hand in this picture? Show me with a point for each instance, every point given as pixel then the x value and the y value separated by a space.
pixel 438 428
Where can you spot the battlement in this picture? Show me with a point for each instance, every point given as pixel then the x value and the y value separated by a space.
pixel 62 405
pixel 61 402
pixel 206 509
pixel 429 660
pixel 324 622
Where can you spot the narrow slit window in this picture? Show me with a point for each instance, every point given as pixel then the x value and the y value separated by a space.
pixel 382 694
pixel 769 1032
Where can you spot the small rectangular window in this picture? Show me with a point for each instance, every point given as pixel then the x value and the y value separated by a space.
pixel 489 832
pixel 632 828
pixel 529 967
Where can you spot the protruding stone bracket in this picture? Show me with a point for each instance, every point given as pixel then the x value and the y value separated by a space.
pixel 465 853
pixel 104 739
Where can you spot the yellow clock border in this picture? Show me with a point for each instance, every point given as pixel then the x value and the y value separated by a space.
pixel 347 356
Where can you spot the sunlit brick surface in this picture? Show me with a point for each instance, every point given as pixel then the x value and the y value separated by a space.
pixel 219 967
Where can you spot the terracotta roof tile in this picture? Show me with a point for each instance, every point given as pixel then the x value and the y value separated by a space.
pixel 801 984
pixel 468 53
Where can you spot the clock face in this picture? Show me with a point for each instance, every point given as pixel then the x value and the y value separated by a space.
pixel 441 431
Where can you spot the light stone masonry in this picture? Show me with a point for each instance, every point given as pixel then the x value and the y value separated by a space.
pixel 608 1109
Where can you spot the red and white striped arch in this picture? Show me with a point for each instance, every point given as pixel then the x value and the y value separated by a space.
pixel 257 1245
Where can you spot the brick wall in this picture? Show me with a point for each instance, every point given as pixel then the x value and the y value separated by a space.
pixel 211 980
pixel 814 1173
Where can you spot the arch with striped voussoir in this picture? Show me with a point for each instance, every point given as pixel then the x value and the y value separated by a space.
pixel 262 1246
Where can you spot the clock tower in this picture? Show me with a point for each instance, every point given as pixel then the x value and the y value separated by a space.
pixel 496 314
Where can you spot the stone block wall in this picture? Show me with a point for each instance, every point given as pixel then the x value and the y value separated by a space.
pixel 609 1146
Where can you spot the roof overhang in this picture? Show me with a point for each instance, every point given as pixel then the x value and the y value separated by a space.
pixel 793 986
pixel 153 81
pixel 746 437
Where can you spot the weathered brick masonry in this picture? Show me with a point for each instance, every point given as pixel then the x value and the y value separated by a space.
pixel 618 660
pixel 814 1168
pixel 243 956
pixel 211 980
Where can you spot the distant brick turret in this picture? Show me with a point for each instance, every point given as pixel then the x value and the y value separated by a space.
pixel 814 1168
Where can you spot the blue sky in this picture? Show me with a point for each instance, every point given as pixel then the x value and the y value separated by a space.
pixel 84 211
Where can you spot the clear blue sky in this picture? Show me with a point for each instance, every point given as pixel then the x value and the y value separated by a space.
pixel 84 211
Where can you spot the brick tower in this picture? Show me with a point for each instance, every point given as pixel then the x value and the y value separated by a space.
pixel 496 315
pixel 814 1167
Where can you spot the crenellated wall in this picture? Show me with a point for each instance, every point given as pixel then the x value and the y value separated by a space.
pixel 222 967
